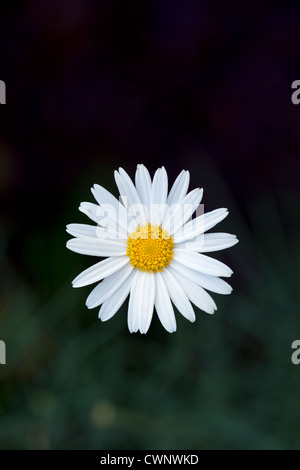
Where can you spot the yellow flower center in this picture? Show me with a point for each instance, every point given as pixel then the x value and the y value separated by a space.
pixel 150 248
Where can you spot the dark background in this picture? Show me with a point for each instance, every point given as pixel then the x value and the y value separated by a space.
pixel 205 86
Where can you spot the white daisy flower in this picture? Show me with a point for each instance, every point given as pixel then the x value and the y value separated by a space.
pixel 153 250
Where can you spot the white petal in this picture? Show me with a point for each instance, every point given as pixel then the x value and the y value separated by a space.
pixel 100 270
pixel 159 193
pixel 146 313
pixel 159 188
pixel 112 305
pixel 200 224
pixel 202 263
pixel 141 302
pixel 143 186
pixel 112 206
pixel 91 210
pixel 96 247
pixel 105 217
pixel 103 196
pixel 181 212
pixel 195 293
pixel 178 296
pixel 82 230
pixel 179 188
pixel 209 242
pixel 130 196
pixel 93 231
pixel 212 283
pixel 107 287
pixel 134 305
pixel 163 304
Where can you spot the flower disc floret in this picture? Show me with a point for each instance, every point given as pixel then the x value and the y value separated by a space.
pixel 150 249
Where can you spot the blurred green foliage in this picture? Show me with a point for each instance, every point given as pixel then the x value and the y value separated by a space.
pixel 225 382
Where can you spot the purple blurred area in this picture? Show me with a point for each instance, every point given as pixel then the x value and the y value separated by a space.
pixel 100 84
